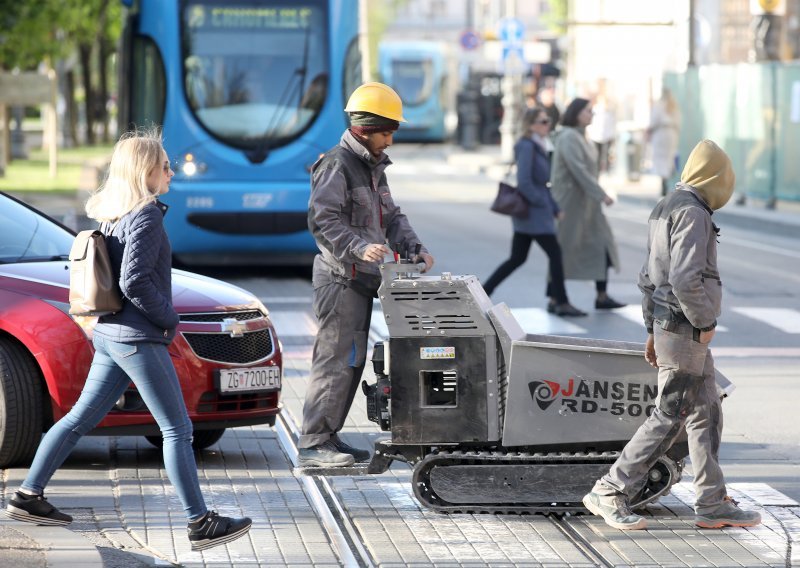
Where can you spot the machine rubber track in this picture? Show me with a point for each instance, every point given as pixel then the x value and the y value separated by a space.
pixel 508 482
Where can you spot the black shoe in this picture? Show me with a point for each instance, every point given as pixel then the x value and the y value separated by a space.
pixel 345 448
pixel 607 304
pixel 326 454
pixel 568 310
pixel 213 530
pixel 551 307
pixel 35 509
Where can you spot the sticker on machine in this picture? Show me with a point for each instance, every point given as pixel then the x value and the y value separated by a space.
pixel 437 352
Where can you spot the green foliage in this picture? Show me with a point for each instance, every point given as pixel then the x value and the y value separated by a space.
pixel 32 31
pixel 29 33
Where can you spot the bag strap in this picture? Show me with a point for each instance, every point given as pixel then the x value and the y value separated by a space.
pixel 109 227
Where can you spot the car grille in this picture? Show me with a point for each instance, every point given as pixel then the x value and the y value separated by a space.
pixel 214 402
pixel 222 348
pixel 220 316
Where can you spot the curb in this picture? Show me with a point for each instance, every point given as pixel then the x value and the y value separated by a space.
pixel 61 547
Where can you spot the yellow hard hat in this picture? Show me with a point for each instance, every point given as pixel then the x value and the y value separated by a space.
pixel 376 98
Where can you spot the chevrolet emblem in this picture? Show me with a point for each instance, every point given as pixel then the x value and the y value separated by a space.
pixel 233 326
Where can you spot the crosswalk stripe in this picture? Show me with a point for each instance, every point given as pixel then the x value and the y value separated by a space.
pixel 633 313
pixel 537 320
pixel 532 320
pixel 293 323
pixel 785 319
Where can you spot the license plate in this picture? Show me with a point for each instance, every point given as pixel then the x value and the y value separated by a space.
pixel 253 379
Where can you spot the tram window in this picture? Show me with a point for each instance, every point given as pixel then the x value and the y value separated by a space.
pixel 148 87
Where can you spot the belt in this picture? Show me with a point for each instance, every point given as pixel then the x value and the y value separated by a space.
pixel 669 318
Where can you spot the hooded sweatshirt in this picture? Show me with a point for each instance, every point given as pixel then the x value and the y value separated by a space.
pixel 680 273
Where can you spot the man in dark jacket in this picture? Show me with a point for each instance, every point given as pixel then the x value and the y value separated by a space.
pixel 682 298
pixel 351 215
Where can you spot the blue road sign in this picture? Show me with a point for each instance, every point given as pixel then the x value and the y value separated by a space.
pixel 513 52
pixel 470 39
pixel 512 30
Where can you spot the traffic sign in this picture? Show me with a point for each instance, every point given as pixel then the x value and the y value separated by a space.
pixel 512 30
pixel 470 39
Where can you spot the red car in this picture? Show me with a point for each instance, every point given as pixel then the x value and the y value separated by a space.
pixel 226 351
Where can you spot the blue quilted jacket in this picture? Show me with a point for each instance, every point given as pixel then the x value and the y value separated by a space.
pixel 142 259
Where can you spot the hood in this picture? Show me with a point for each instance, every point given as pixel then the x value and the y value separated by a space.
pixel 190 292
pixel 708 169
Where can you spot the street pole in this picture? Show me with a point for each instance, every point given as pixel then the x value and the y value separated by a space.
pixel 511 86
pixel 363 40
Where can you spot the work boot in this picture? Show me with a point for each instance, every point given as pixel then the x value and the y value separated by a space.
pixel 35 509
pixel 213 530
pixel 324 455
pixel 615 511
pixel 345 448
pixel 728 515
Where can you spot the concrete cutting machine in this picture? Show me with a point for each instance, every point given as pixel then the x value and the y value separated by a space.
pixel 496 420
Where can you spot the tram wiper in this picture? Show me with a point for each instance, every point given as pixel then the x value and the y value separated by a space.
pixel 260 153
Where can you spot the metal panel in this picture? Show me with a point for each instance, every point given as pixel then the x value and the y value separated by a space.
pixel 565 391
pixel 418 420
pixel 415 305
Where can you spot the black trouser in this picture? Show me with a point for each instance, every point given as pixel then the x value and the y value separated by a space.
pixel 520 247
pixel 601 285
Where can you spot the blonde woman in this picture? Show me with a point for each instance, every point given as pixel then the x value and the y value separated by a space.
pixel 131 345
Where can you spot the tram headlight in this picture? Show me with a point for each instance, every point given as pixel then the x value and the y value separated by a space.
pixel 190 166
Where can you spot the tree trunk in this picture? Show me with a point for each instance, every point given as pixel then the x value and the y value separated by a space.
pixel 85 57
pixel 104 53
pixel 102 88
pixel 72 110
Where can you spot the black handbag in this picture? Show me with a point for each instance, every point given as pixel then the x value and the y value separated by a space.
pixel 509 201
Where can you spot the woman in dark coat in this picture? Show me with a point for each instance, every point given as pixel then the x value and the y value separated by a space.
pixel 533 175
pixel 584 233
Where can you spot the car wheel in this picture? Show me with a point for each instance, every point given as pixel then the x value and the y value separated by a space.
pixel 201 439
pixel 21 420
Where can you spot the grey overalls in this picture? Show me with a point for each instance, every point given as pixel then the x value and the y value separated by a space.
pixel 682 294
pixel 350 207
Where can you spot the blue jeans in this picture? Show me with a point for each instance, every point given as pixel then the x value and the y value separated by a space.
pixel 114 366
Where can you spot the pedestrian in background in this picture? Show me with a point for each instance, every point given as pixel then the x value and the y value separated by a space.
pixel 351 216
pixel 131 345
pixel 602 131
pixel 682 299
pixel 532 156
pixel 547 101
pixel 663 132
pixel 586 240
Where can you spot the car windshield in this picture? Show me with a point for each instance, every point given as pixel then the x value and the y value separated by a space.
pixel 255 71
pixel 413 80
pixel 27 236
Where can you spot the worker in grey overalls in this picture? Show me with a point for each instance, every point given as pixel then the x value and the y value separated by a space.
pixel 682 296
pixel 352 216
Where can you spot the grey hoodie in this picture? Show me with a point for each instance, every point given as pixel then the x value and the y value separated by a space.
pixel 680 273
